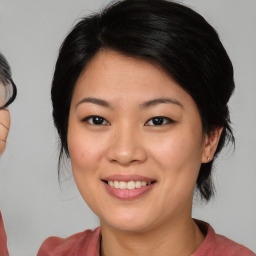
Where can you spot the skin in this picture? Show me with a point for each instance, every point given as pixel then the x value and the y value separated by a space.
pixel 4 120
pixel 128 142
pixel 4 128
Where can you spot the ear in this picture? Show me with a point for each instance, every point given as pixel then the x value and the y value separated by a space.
pixel 211 141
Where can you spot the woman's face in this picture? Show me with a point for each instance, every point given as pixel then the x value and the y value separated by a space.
pixel 135 141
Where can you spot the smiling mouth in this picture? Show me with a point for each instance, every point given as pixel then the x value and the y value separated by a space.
pixel 128 185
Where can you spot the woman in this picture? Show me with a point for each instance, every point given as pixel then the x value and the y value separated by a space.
pixel 140 95
pixel 7 96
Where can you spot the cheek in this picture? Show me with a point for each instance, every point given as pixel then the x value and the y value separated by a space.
pixel 85 151
pixel 179 158
pixel 182 148
pixel 85 155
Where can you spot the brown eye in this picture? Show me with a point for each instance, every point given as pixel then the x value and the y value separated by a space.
pixel 159 120
pixel 96 120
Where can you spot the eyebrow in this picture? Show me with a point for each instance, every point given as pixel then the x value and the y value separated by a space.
pixel 146 104
pixel 94 101
pixel 157 101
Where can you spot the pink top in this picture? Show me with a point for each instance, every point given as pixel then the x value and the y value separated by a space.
pixel 87 243
pixel 3 238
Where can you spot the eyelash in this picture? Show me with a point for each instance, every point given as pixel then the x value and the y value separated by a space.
pixel 88 118
pixel 102 121
pixel 165 120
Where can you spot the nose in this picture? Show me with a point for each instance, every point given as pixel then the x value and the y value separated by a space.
pixel 126 147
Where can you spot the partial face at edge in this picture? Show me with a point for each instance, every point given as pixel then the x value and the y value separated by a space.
pixel 129 121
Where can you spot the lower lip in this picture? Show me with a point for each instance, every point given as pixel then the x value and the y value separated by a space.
pixel 127 194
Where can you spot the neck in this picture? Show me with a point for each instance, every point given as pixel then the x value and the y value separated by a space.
pixel 177 238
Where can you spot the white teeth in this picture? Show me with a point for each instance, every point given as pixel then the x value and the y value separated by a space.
pixel 131 185
pixel 128 185
pixel 116 184
pixel 138 184
pixel 143 183
pixel 123 185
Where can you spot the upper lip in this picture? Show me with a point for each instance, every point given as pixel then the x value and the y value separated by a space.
pixel 126 178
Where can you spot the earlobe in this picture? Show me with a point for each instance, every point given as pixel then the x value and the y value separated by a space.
pixel 210 144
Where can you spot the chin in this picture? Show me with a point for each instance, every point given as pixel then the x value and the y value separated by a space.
pixel 128 222
pixel 130 227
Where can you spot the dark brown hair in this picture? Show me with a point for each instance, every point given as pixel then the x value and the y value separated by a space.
pixel 167 33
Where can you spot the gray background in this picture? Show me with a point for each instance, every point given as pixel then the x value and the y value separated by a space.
pixel 33 204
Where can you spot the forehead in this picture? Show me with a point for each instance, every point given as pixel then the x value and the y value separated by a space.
pixel 113 75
